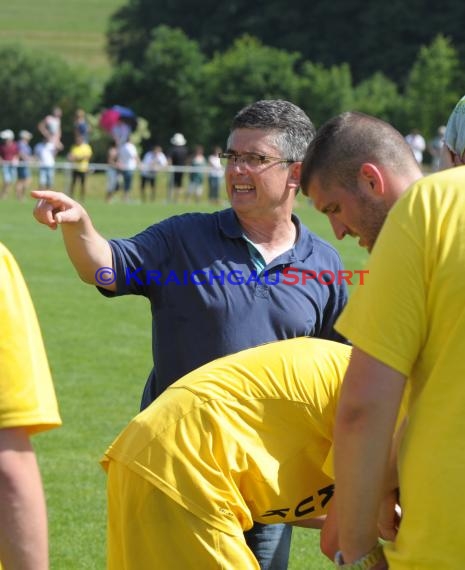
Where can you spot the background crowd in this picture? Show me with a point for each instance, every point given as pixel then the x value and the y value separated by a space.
pixel 128 165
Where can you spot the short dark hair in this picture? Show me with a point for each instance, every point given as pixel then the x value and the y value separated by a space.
pixel 291 126
pixel 346 141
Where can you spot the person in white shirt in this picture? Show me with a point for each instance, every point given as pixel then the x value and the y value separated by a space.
pixel 215 175
pixel 153 160
pixel 128 161
pixel 45 153
pixel 417 143
pixel 50 128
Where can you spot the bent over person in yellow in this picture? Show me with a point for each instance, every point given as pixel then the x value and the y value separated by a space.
pixel 244 438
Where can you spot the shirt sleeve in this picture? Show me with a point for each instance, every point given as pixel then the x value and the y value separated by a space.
pixel 27 396
pixel 137 261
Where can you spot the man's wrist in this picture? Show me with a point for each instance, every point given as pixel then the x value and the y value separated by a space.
pixel 366 562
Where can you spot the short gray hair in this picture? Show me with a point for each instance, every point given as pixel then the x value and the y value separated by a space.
pixel 290 126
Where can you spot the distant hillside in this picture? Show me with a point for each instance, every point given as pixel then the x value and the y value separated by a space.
pixel 73 28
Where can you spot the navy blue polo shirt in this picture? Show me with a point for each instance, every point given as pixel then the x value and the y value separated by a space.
pixel 208 299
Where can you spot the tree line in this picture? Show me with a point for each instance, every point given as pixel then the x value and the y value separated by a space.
pixel 369 36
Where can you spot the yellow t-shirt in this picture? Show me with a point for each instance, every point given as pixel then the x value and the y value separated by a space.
pixel 27 396
pixel 243 438
pixel 410 315
pixel 81 154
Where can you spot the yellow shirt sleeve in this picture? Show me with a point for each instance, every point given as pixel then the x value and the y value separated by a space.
pixel 26 388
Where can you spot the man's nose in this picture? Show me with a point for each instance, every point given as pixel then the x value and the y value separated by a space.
pixel 340 229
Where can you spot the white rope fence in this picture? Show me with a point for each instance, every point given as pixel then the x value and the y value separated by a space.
pixel 103 167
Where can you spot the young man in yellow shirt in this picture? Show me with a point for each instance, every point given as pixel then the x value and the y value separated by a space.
pixel 407 325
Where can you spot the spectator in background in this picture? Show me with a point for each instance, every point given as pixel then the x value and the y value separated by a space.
pixel 112 172
pixel 215 175
pixel 9 157
pixel 435 148
pixel 80 155
pixel 27 406
pixel 81 126
pixel 50 128
pixel 417 144
pixel 121 132
pixel 177 156
pixel 152 160
pixel 45 152
pixel 25 156
pixel 128 161
pixel 195 187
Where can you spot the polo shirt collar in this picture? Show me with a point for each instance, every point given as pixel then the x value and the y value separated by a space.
pixel 303 247
pixel 229 224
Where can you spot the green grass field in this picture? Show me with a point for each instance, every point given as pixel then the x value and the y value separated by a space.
pixel 100 354
pixel 73 29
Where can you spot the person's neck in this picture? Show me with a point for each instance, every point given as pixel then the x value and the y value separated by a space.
pixel 400 184
pixel 272 237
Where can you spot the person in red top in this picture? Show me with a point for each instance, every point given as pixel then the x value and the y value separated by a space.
pixel 9 156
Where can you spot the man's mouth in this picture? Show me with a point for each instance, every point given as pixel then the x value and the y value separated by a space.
pixel 243 188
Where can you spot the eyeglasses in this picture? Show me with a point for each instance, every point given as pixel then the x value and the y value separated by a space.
pixel 251 160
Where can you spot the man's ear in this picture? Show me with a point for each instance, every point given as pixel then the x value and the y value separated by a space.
pixel 371 178
pixel 293 180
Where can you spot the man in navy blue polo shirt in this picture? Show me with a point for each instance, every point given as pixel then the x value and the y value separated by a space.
pixel 216 282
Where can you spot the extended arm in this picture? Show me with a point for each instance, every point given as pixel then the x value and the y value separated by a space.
pixel 23 536
pixel 87 249
pixel 365 422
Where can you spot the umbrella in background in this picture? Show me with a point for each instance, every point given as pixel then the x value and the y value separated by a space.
pixel 110 117
pixel 124 112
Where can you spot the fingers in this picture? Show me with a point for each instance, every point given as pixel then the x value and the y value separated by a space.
pixel 55 208
pixel 389 516
pixel 388 527
pixel 44 213
pixel 388 532
pixel 51 196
